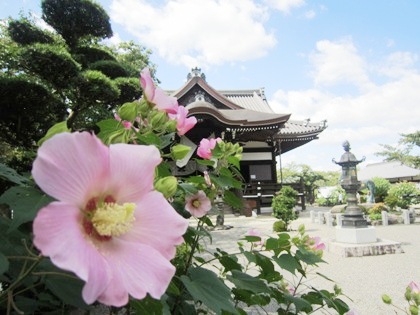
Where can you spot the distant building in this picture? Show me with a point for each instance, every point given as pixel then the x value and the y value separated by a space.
pixel 242 116
pixel 393 171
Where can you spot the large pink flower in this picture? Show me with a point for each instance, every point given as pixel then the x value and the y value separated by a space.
pixel 156 95
pixel 108 226
pixel 183 124
pixel 315 243
pixel 198 204
pixel 205 147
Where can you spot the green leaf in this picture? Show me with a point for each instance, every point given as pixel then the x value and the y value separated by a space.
pixel 25 203
pixel 234 161
pixel 247 282
pixel 232 200
pixel 54 130
pixel 205 286
pixel 300 304
pixel 4 264
pixel 149 138
pixel 150 306
pixel 308 257
pixel 68 289
pixel 288 262
pixel 205 162
pixel 107 128
pixel 230 262
pixel 11 175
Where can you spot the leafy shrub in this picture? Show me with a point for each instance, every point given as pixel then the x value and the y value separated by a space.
pixel 375 216
pixel 279 226
pixel 378 208
pixel 382 186
pixel 401 195
pixel 110 68
pixel 283 204
pixel 24 32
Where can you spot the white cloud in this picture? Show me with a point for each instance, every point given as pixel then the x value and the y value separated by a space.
pixel 310 14
pixel 205 32
pixel 339 62
pixel 377 115
pixel 285 6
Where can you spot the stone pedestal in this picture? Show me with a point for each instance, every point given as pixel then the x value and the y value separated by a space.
pixel 356 235
pixel 381 247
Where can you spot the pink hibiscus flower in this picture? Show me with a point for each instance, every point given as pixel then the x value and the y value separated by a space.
pixel 198 204
pixel 315 243
pixel 183 124
pixel 414 287
pixel 156 95
pixel 108 226
pixel 205 147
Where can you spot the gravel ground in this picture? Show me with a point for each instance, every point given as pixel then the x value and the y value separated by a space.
pixel 362 279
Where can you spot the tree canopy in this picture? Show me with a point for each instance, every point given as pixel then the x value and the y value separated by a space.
pixel 403 151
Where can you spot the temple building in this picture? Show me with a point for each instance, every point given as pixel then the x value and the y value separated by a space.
pixel 242 116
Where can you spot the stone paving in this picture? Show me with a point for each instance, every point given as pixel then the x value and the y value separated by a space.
pixel 362 279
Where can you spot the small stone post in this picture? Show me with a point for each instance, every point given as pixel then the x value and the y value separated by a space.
pixel 406 216
pixel 339 218
pixel 320 217
pixel 312 213
pixel 329 219
pixel 384 218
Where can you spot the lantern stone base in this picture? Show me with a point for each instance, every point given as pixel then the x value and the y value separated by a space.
pixel 361 235
pixel 381 247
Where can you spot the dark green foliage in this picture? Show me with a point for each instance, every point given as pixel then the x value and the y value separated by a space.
pixel 402 195
pixel 75 19
pixel 27 109
pixel 86 55
pixel 130 89
pixel 110 68
pixel 95 87
pixel 52 63
pixel 382 186
pixel 25 33
pixel 283 204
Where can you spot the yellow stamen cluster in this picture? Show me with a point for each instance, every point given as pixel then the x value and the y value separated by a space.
pixel 111 219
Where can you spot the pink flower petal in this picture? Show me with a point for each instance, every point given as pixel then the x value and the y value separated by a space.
pixel 137 269
pixel 133 170
pixel 157 225
pixel 72 167
pixel 165 102
pixel 57 227
pixel 147 84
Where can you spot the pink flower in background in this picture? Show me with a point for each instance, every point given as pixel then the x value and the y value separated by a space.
pixel 414 287
pixel 198 204
pixel 108 226
pixel 205 147
pixel 156 95
pixel 125 123
pixel 184 124
pixel 315 243
pixel 255 232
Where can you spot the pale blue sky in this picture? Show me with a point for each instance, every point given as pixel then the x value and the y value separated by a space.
pixel 355 63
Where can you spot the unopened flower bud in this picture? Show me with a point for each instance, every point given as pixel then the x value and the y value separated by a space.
pixel 119 136
pixel 144 107
pixel 128 111
pixel 170 126
pixel 386 299
pixel 407 294
pixel 179 151
pixel 414 310
pixel 158 119
pixel 167 186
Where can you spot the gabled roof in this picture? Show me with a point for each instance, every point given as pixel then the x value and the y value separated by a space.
pixel 246 113
pixel 394 171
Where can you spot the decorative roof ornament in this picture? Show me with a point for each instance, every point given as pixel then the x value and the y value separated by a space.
pixel 196 72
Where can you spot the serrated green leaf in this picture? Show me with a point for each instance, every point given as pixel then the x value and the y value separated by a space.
pixel 205 162
pixel 25 203
pixel 230 263
pixel 107 128
pixel 247 282
pixel 308 257
pixel 206 287
pixel 4 264
pixel 12 176
pixel 288 262
pixel 232 200
pixel 54 130
pixel 150 306
pixel 300 304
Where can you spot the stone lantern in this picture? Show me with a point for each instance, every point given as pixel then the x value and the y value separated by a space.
pixel 354 228
pixel 353 215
